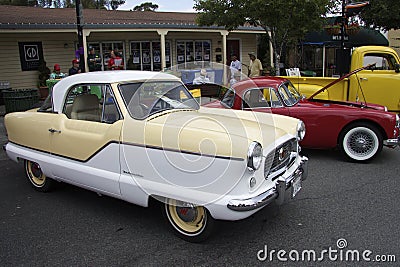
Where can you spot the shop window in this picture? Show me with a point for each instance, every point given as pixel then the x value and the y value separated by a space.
pixel 190 53
pixel 104 49
pixel 107 47
pixel 146 55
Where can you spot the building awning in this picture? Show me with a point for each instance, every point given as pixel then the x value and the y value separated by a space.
pixel 363 37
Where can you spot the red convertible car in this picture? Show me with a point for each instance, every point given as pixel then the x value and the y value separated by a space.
pixel 359 129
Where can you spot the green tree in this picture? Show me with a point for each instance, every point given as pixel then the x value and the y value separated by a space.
pixel 147 6
pixel 384 14
pixel 284 21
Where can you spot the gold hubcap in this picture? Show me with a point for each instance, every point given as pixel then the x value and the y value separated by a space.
pixel 35 173
pixel 186 217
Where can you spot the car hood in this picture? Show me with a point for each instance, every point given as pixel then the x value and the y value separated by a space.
pixel 225 133
pixel 341 104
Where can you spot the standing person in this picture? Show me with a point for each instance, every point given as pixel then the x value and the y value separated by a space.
pixel 235 78
pixel 255 66
pixel 75 69
pixel 94 60
pixel 57 74
pixel 202 78
pixel 115 62
pixel 235 64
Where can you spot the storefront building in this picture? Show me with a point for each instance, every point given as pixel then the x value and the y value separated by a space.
pixel 319 53
pixel 146 40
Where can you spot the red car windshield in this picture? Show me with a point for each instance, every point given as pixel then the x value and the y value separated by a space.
pixel 289 94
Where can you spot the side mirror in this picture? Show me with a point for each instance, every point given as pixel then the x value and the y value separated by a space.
pixel 397 67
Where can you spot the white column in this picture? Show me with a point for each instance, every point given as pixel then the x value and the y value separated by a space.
pixel 162 34
pixel 224 34
pixel 85 47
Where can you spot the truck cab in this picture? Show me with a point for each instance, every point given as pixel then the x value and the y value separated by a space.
pixel 381 84
pixel 378 85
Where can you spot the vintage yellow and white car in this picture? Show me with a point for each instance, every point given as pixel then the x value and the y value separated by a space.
pixel 139 136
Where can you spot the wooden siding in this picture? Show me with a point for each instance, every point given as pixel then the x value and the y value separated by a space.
pixel 53 52
pixel 394 40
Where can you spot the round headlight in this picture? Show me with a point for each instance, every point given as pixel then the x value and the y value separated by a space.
pixel 254 156
pixel 301 130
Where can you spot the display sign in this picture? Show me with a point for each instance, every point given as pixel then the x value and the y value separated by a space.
pixel 30 54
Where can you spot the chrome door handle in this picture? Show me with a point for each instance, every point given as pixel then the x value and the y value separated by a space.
pixel 363 79
pixel 54 130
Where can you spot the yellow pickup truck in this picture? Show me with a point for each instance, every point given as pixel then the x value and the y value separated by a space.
pixel 379 85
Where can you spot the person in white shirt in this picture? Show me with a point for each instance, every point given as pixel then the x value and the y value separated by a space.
pixel 202 78
pixel 235 64
pixel 235 78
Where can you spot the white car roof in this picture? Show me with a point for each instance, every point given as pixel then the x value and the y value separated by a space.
pixel 61 88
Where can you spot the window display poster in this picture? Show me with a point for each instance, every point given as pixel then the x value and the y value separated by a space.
pixel 189 51
pixel 206 50
pixel 156 52
pixel 180 47
pixel 198 51
pixel 136 57
pixel 146 57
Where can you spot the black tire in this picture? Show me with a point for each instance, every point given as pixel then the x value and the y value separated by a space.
pixel 187 221
pixel 360 142
pixel 36 177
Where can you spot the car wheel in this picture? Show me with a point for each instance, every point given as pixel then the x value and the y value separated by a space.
pixel 187 221
pixel 36 177
pixel 361 142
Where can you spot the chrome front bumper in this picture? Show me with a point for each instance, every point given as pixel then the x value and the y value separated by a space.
pixel 276 193
pixel 392 142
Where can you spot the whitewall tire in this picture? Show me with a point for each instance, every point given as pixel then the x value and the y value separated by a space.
pixel 361 142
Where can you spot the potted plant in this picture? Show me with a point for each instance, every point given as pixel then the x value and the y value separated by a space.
pixel 332 29
pixel 352 28
pixel 44 74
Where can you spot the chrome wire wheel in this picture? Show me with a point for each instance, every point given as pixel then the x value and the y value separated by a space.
pixel 36 177
pixel 361 142
pixel 189 222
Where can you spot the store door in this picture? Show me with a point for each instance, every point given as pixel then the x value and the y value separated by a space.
pixel 232 48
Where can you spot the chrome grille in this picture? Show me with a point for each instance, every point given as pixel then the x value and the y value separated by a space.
pixel 278 160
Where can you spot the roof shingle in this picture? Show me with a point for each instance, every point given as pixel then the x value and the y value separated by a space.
pixel 26 17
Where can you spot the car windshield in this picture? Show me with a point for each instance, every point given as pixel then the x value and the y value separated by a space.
pixel 144 99
pixel 289 94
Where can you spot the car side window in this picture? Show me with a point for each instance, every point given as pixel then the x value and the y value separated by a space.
pixel 254 98
pixel 91 102
pixel 272 98
pixel 228 98
pixel 111 112
pixel 382 61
